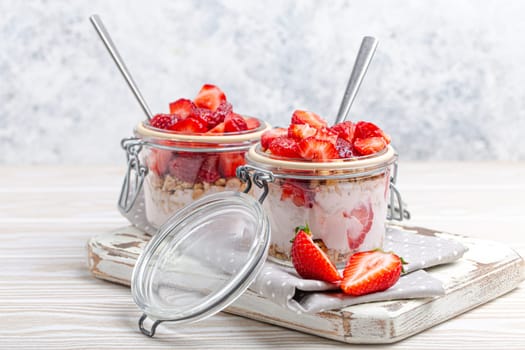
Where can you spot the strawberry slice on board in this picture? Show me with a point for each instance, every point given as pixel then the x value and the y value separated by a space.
pixel 310 118
pixel 361 218
pixel 370 145
pixel 190 125
pixel 310 261
pixel 301 131
pixel 210 97
pixel 369 272
pixel 268 136
pixel 184 108
pixel 234 123
pixel 313 149
pixel 228 163
pixel 284 146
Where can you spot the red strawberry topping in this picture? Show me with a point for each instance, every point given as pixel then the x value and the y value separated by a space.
pixel 184 108
pixel 218 129
pixel 345 130
pixel 369 145
pixel 344 148
pixel 252 123
pixel 326 134
pixel 284 146
pixel 314 149
pixel 164 121
pixel 310 118
pixel 190 125
pixel 365 130
pixel 310 261
pixel 210 97
pixel 268 136
pixel 301 131
pixel 369 272
pixel 361 218
pixel 234 123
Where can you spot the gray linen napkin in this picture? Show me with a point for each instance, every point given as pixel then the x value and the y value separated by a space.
pixel 284 287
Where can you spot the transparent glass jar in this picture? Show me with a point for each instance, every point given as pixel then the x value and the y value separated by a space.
pixel 169 170
pixel 343 201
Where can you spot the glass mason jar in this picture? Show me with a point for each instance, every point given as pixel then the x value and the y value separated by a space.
pixel 344 202
pixel 168 170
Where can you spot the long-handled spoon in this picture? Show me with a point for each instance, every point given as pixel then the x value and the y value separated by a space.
pixel 364 56
pixel 106 39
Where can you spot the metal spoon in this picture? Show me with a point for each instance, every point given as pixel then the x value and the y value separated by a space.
pixel 106 39
pixel 364 56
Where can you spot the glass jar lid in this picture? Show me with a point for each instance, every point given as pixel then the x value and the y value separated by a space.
pixel 202 259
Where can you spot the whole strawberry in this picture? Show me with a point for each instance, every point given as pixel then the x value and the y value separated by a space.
pixel 310 261
pixel 372 271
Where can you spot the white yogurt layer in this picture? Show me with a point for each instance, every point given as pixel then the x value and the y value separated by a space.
pixel 330 217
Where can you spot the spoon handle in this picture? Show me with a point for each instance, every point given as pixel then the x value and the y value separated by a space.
pixel 364 56
pixel 112 49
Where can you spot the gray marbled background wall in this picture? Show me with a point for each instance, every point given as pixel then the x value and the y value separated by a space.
pixel 447 81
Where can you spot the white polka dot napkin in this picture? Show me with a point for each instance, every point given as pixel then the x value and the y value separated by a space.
pixel 286 288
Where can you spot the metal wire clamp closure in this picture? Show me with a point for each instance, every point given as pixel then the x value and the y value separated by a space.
pixel 396 207
pixel 260 177
pixel 135 174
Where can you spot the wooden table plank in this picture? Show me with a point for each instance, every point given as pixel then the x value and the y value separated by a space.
pixel 48 300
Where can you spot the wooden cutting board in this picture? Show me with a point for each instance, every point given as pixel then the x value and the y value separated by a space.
pixel 486 271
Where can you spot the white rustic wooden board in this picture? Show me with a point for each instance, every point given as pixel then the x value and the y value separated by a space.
pixel 486 271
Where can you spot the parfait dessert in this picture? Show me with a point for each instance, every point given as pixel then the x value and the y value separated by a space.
pixel 192 151
pixel 335 179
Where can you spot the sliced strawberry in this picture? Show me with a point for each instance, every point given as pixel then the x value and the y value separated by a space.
pixel 365 130
pixel 298 193
pixel 361 218
pixel 284 146
pixel 252 123
pixel 158 161
pixel 369 272
pixel 301 131
pixel 268 136
pixel 326 134
pixel 224 109
pixel 234 123
pixel 345 130
pixel 310 261
pixel 313 149
pixel 344 148
pixel 310 118
pixel 209 171
pixel 208 118
pixel 183 108
pixel 185 166
pixel 190 125
pixel 210 97
pixel 218 129
pixel 228 163
pixel 369 145
pixel 164 121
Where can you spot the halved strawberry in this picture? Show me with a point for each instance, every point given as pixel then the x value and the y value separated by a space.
pixel 209 171
pixel 361 218
pixel 310 118
pixel 284 146
pixel 301 131
pixel 224 109
pixel 228 163
pixel 158 160
pixel 252 123
pixel 345 130
pixel 210 97
pixel 234 123
pixel 365 130
pixel 164 121
pixel 218 129
pixel 310 261
pixel 344 148
pixel 298 193
pixel 268 136
pixel 184 108
pixel 326 134
pixel 313 149
pixel 185 166
pixel 190 125
pixel 370 145
pixel 369 272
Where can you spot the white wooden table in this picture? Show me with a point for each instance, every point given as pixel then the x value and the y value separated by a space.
pixel 48 299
